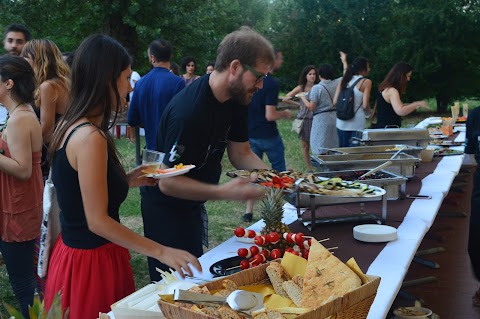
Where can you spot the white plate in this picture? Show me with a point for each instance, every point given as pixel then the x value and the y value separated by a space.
pixel 301 94
pixel 170 172
pixel 373 233
pixel 435 120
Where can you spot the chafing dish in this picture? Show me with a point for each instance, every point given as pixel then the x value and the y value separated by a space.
pixel 409 136
pixel 407 149
pixel 393 184
pixel 403 164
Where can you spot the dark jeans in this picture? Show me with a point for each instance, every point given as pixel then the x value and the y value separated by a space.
pixel 344 137
pixel 19 261
pixel 474 231
pixel 170 224
pixel 274 149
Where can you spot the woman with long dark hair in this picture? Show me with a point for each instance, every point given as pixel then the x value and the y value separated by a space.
pixel 90 262
pixel 308 78
pixel 358 69
pixel 390 107
pixel 21 182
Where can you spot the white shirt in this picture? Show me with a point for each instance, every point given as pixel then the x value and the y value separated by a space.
pixel 3 114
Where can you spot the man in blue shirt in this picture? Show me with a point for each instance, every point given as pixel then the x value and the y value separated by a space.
pixel 154 91
pixel 262 128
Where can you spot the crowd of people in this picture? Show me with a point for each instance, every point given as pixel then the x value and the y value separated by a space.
pixel 56 116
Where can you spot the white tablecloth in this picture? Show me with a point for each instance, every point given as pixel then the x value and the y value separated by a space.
pixel 394 260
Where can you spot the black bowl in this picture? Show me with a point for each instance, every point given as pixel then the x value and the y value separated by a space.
pixel 226 266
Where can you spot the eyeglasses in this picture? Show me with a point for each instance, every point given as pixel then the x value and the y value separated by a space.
pixel 259 76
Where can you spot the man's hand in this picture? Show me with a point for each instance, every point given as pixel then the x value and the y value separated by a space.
pixel 241 188
pixel 287 114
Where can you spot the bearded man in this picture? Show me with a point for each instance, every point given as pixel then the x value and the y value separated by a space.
pixel 198 125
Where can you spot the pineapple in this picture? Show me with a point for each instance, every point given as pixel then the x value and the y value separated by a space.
pixel 272 214
pixel 37 311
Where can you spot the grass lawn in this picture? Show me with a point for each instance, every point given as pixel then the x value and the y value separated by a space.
pixel 223 215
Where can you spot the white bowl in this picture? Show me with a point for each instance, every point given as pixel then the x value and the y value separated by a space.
pixel 412 313
pixel 373 233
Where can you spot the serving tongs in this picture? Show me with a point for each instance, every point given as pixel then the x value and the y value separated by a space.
pixel 238 300
pixel 373 170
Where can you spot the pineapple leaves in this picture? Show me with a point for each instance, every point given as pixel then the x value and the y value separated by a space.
pixel 13 312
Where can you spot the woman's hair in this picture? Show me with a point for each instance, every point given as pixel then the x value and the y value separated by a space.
pixel 48 65
pixel 186 60
pixel 96 67
pixel 326 71
pixel 396 78
pixel 302 80
pixel 358 65
pixel 175 68
pixel 20 72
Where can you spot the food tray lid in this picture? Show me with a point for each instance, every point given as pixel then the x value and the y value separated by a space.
pixel 392 134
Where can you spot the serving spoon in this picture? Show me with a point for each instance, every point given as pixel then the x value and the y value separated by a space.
pixel 238 300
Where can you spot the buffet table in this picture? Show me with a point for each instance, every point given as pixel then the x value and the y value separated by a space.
pixel 390 261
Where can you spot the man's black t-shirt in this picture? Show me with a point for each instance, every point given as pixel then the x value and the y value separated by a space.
pixel 195 129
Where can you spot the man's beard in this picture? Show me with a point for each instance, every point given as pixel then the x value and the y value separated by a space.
pixel 239 93
pixel 14 52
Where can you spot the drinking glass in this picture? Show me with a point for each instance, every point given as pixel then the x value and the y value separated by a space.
pixel 465 109
pixel 152 158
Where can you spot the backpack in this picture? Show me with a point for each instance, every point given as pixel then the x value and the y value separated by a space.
pixel 345 104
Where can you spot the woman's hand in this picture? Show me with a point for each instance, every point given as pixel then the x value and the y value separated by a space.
pixel 180 260
pixel 136 177
pixel 422 104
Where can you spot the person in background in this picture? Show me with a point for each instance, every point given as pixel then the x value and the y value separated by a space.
pixel 199 124
pixel 472 146
pixel 21 183
pixel 359 68
pixel 263 133
pixel 130 131
pixel 320 100
pixel 14 38
pixel 51 75
pixel 210 67
pixel 175 68
pixel 308 78
pixel 154 91
pixel 390 107
pixel 90 262
pixel 189 65
pixel 68 58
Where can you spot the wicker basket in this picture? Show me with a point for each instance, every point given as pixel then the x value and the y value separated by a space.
pixel 353 305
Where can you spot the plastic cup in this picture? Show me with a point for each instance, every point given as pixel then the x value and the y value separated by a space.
pixel 152 158
pixel 465 109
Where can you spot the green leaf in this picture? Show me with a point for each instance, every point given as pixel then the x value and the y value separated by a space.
pixel 13 312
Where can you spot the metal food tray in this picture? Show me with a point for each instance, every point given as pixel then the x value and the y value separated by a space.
pixel 403 164
pixel 410 136
pixel 394 185
pixel 407 149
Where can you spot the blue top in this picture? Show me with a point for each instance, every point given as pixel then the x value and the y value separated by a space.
pixel 152 94
pixel 258 126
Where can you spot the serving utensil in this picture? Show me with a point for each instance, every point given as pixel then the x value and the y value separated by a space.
pixel 373 170
pixel 397 152
pixel 238 300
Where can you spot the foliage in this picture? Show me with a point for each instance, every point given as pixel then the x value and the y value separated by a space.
pixel 438 37
pixel 37 311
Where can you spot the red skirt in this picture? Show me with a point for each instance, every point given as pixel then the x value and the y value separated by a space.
pixel 90 280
